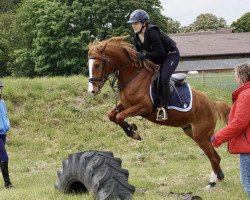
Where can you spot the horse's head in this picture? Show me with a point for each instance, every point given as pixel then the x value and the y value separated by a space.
pixel 99 67
pixel 112 56
pixel 105 57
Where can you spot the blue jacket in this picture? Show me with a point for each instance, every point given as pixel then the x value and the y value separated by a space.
pixel 4 120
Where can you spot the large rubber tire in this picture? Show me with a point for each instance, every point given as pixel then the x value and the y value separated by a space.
pixel 97 172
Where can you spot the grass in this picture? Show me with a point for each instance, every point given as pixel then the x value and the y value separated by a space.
pixel 53 117
pixel 222 81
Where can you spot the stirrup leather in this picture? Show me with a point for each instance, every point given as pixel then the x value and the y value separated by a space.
pixel 161 118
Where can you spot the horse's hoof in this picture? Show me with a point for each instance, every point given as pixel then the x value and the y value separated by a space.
pixel 134 127
pixel 136 136
pixel 211 185
pixel 220 175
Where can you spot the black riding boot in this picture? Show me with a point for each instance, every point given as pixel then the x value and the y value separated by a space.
pixel 165 97
pixel 5 173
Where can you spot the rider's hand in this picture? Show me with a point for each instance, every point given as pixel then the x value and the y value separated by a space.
pixel 141 56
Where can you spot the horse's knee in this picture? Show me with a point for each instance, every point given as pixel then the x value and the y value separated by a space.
pixel 119 119
pixel 112 116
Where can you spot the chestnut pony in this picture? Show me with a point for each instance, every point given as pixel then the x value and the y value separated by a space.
pixel 116 59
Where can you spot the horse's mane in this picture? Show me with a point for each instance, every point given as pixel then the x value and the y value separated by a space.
pixel 96 48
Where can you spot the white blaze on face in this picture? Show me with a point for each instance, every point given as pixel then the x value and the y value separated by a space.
pixel 91 86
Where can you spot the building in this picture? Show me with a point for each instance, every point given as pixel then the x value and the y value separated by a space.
pixel 217 50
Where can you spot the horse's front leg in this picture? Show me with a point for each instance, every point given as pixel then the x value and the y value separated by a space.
pixel 130 130
pixel 112 114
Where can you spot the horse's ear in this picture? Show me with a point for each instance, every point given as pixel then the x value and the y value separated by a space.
pixel 118 39
pixel 102 48
pixel 90 45
pixel 124 37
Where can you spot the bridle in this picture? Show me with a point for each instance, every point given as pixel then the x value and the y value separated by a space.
pixel 113 76
pixel 103 77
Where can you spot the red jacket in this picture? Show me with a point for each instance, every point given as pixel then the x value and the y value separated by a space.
pixel 237 132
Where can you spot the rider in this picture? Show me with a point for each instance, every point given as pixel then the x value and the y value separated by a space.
pixel 155 45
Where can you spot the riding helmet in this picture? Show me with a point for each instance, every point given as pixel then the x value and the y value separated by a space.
pixel 138 16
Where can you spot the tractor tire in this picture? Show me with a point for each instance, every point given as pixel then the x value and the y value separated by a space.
pixel 97 172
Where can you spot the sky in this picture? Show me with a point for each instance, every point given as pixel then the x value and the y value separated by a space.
pixel 186 11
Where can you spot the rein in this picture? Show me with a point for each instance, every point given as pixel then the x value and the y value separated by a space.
pixel 130 79
pixel 114 76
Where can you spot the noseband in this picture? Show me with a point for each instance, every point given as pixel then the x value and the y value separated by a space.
pixel 112 77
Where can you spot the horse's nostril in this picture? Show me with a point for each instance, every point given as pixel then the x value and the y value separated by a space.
pixel 93 92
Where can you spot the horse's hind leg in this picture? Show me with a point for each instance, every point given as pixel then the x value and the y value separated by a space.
pixel 202 136
pixel 188 130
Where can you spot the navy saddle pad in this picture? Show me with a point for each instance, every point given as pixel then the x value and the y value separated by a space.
pixel 180 98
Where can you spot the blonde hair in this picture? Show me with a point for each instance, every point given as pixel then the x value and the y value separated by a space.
pixel 243 72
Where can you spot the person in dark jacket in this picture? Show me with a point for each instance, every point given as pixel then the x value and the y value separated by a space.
pixel 4 127
pixel 237 131
pixel 153 44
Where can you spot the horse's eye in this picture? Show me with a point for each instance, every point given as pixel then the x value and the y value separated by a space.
pixel 96 66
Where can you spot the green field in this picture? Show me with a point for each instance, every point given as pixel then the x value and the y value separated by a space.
pixel 223 81
pixel 53 117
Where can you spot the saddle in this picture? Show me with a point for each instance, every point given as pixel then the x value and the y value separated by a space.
pixel 175 79
pixel 180 93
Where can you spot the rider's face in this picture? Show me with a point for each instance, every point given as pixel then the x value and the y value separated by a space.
pixel 136 26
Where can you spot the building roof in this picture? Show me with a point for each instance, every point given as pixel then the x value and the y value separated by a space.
pixel 212 43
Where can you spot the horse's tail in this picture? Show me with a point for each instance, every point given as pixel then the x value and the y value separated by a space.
pixel 222 109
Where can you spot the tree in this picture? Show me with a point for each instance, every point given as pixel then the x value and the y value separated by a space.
pixel 7 5
pixel 242 24
pixel 55 40
pixel 50 37
pixel 172 26
pixel 57 32
pixel 4 57
pixel 111 16
pixel 205 22
pixel 8 39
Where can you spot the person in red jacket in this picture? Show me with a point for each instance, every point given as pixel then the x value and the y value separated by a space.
pixel 237 131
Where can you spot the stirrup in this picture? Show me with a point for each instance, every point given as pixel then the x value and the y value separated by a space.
pixel 161 114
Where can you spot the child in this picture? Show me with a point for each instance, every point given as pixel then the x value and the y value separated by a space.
pixel 4 127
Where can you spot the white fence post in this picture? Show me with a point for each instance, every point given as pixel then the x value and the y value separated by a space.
pixel 203 78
